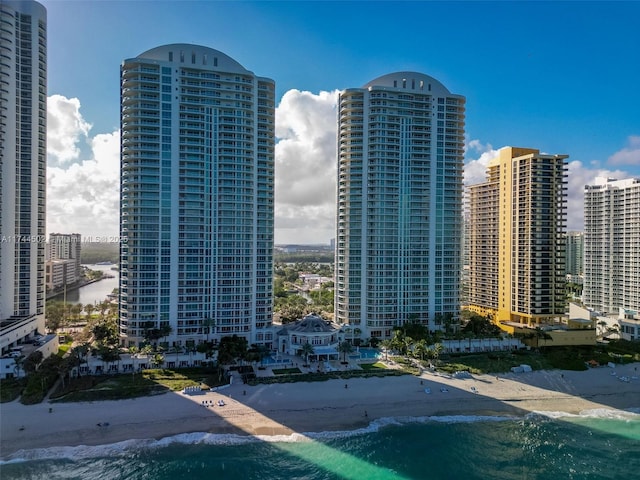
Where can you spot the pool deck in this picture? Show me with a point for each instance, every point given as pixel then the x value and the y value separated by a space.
pixel 292 361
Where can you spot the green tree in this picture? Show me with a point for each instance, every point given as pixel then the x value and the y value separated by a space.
pixel 89 308
pixel 232 348
pixel 79 355
pixel 109 355
pixel 157 360
pixel 105 332
pixel 437 351
pixel 345 348
pixel 420 348
pixel 208 324
pixel 54 316
pixel 18 365
pixel 306 350
pixel 386 345
pixel 481 326
pixel 32 362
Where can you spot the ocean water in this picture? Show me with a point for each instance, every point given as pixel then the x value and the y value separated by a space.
pixel 599 444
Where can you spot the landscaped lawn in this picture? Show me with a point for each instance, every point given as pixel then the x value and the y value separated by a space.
pixel 285 371
pixel 148 382
pixel 373 366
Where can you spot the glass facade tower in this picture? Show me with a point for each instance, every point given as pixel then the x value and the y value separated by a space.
pixel 399 218
pixel 612 245
pixel 23 159
pixel 196 215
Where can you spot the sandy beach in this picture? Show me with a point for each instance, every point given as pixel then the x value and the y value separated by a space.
pixel 282 409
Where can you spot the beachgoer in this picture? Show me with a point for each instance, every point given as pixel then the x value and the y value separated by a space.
pixel 346 386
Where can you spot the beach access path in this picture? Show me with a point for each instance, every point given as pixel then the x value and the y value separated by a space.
pixel 283 409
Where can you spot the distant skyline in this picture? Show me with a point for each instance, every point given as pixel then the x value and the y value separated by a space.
pixel 557 76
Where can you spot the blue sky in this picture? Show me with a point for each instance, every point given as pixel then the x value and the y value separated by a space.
pixel 558 76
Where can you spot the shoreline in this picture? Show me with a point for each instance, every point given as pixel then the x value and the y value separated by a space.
pixel 298 408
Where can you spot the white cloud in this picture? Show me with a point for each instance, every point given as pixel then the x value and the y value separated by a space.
pixel 65 128
pixel 629 155
pixel 83 189
pixel 475 170
pixel 305 171
pixel 580 175
pixel 82 197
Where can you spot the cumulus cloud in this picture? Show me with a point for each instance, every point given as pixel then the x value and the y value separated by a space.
pixel 83 188
pixel 83 195
pixel 305 171
pixel 65 128
pixel 629 155
pixel 475 169
pixel 580 175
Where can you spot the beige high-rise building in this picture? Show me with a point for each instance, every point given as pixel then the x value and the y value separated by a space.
pixel 516 247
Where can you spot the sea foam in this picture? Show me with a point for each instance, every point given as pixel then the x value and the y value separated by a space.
pixel 128 447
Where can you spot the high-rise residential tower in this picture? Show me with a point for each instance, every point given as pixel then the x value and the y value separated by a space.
pixel 612 245
pixel 196 208
pixel 23 156
pixel 399 219
pixel 66 246
pixel 516 247
pixel 575 253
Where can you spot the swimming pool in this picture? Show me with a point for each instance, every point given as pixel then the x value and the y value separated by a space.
pixel 270 360
pixel 366 353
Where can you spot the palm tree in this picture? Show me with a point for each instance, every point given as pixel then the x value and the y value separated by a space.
pixel 89 308
pixel 19 363
pixel 158 360
pixel 386 345
pixel 80 354
pixel 420 348
pixel 397 342
pixel 356 333
pixel 407 346
pixel 133 351
pixel 208 323
pixel 165 331
pixel 437 350
pixel 345 348
pixel 306 350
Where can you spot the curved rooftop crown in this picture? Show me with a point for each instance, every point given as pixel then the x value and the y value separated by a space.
pixel 409 81
pixel 201 57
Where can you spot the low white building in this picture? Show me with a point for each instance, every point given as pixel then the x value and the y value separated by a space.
pixel 629 321
pixel 18 338
pixel 477 345
pixel 323 335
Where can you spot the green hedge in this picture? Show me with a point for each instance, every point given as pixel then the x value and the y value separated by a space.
pixel 323 377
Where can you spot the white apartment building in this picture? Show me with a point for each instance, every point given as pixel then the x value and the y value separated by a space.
pixel 66 246
pixel 59 273
pixel 196 201
pixel 399 218
pixel 612 245
pixel 23 156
